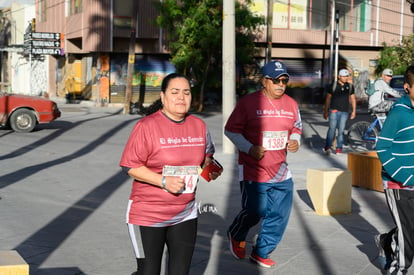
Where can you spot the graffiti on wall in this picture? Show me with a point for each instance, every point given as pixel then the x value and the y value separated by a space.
pixel 39 85
pixel 148 74
pixel 28 76
pixel 148 70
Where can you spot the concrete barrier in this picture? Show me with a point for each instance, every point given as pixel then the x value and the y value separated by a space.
pixel 330 190
pixel 11 263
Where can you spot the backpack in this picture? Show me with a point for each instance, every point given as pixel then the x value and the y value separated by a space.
pixel 370 89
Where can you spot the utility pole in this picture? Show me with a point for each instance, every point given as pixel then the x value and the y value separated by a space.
pixel 331 58
pixel 229 67
pixel 269 30
pixel 131 58
pixel 336 43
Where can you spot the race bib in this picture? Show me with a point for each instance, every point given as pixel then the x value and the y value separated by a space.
pixel 275 140
pixel 188 173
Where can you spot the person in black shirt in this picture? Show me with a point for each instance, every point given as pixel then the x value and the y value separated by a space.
pixel 337 110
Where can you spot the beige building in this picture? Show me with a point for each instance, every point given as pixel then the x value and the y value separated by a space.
pixel 96 36
pixel 303 36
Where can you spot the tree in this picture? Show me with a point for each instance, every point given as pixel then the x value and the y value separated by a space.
pixel 398 58
pixel 193 30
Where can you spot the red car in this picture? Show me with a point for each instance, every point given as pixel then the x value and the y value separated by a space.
pixel 23 112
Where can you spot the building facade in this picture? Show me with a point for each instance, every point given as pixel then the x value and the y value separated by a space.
pixel 304 36
pixel 97 35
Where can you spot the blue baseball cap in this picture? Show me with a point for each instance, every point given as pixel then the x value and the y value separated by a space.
pixel 274 69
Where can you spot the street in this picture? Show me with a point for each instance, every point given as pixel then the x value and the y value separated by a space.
pixel 64 197
pixel 66 173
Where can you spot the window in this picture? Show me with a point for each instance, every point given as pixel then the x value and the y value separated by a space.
pixel 355 15
pixel 319 14
pixel 75 6
pixel 290 14
pixel 122 14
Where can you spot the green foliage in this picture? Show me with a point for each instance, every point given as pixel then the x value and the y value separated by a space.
pixel 248 29
pixel 193 29
pixel 398 58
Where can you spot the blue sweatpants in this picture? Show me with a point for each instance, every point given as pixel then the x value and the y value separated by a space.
pixel 269 202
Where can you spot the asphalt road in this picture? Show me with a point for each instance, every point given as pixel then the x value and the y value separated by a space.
pixel 63 202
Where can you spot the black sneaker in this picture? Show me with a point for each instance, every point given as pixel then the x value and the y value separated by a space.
pixel 384 251
pixel 379 240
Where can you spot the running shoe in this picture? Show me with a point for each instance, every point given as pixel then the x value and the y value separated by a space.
pixel 261 261
pixel 384 254
pixel 327 150
pixel 237 249
pixel 338 151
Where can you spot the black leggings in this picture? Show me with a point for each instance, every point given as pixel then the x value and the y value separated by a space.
pixel 180 240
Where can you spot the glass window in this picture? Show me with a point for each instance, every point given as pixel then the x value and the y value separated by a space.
pixel 290 14
pixel 122 14
pixel 319 14
pixel 75 6
pixel 355 15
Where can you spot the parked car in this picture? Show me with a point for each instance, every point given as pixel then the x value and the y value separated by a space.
pixel 23 112
pixel 397 83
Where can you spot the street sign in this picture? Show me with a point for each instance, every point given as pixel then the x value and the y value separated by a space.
pixel 45 44
pixel 46 51
pixel 45 35
pixel 41 43
pixel 12 49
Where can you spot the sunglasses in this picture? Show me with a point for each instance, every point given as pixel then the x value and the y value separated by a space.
pixel 278 80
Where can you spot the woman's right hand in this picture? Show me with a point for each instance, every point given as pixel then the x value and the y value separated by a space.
pixel 174 185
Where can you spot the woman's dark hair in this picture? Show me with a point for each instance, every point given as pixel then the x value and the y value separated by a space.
pixel 168 78
pixel 156 105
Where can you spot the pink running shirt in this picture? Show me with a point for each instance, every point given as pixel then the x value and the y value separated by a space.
pixel 154 142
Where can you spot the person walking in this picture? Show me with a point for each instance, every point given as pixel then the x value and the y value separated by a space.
pixel 395 148
pixel 377 102
pixel 264 126
pixel 162 155
pixel 336 110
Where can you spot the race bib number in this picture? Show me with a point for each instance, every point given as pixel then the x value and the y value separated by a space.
pixel 275 140
pixel 188 173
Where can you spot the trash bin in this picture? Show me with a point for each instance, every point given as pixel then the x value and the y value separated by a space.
pixel 330 190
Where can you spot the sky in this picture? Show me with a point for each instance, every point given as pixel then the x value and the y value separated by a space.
pixel 7 3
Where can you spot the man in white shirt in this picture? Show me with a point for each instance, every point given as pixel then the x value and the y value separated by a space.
pixel 377 102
